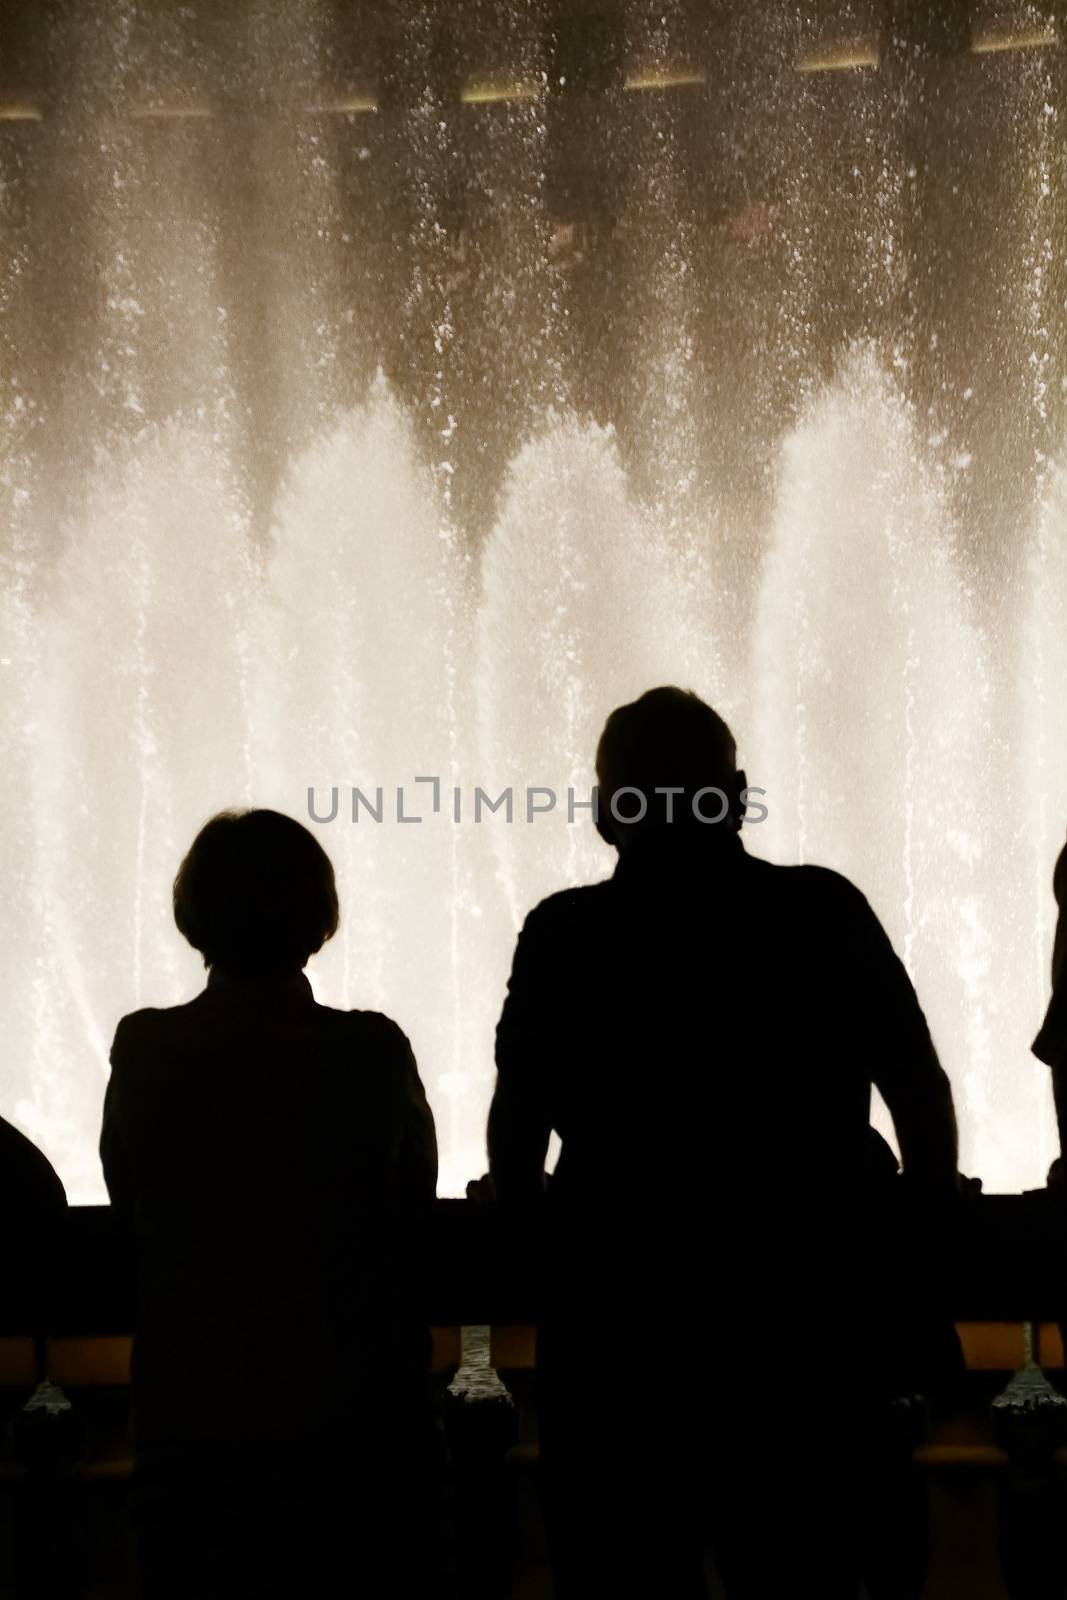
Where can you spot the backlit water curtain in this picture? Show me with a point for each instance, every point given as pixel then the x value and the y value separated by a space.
pixel 390 401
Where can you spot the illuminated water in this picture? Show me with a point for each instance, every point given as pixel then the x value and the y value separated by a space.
pixel 321 467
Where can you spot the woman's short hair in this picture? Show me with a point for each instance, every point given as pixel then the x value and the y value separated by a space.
pixel 255 894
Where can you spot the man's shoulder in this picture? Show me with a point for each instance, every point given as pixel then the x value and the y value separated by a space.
pixel 808 885
pixel 568 907
pixel 805 886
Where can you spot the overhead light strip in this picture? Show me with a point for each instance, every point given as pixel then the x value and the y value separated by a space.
pixel 839 58
pixel 480 91
pixel 667 78
pixel 491 90
pixel 345 105
pixel 995 41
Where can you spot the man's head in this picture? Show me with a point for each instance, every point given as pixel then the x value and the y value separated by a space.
pixel 256 895
pixel 667 739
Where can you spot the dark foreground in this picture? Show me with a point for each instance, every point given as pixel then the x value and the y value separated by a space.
pixel 979 1486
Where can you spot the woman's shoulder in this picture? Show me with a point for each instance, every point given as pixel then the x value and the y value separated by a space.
pixel 366 1056
pixel 138 1030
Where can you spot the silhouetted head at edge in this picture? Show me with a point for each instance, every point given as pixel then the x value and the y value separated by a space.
pixel 256 895
pixel 668 739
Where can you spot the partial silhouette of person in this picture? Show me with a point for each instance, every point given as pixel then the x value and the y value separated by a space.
pixel 702 1031
pixel 33 1203
pixel 1050 1046
pixel 277 1161
pixel 30 1187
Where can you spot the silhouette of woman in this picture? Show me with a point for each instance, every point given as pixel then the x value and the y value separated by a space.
pixel 277 1161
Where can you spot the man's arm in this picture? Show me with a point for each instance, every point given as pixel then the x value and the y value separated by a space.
pixel 1050 1046
pixel 904 1066
pixel 520 1122
pixel 1059 1100
pixel 919 1097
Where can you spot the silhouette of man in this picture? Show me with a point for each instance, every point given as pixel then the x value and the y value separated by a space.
pixel 702 1031
pixel 277 1160
pixel 1050 1046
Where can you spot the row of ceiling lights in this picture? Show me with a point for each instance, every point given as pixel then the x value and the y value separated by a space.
pixel 842 56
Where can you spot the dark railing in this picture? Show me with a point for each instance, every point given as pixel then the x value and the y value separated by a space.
pixel 67 1315
pixel 1004 1262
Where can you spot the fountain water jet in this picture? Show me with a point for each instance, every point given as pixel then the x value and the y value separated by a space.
pixel 874 724
pixel 613 622
pixel 363 616
pixel 141 736
pixel 599 313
